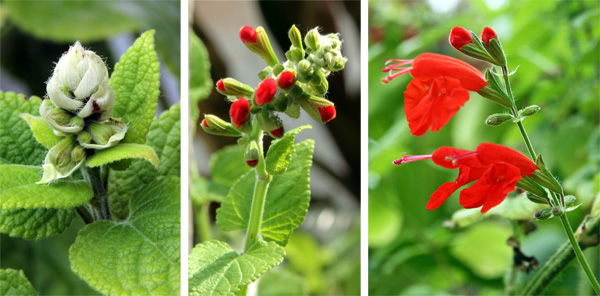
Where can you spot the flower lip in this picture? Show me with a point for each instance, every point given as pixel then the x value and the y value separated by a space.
pixel 248 34
pixel 460 37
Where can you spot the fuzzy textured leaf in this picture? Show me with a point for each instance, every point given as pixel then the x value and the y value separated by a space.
pixel 86 21
pixel 200 82
pixel 164 137
pixel 35 224
pixel 227 165
pixel 123 151
pixel 280 153
pixel 135 82
pixel 14 282
pixel 139 256
pixel 18 144
pixel 216 269
pixel 19 190
pixel 286 204
pixel 41 130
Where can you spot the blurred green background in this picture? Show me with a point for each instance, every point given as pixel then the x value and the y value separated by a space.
pixel 554 46
pixel 33 36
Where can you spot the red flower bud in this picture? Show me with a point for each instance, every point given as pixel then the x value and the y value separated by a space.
pixel 460 37
pixel 286 79
pixel 204 123
pixel 487 35
pixel 239 112
pixel 277 133
pixel 248 34
pixel 252 163
pixel 266 91
pixel 327 113
pixel 220 85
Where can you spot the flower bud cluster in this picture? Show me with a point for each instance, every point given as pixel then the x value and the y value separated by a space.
pixel 298 83
pixel 78 107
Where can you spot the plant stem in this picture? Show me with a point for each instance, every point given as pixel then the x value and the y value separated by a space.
pixel 511 277
pixel 203 223
pixel 563 218
pixel 85 214
pixel 97 178
pixel 258 199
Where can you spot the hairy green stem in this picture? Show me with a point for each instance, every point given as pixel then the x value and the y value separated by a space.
pixel 258 199
pixel 85 214
pixel 203 223
pixel 97 178
pixel 563 218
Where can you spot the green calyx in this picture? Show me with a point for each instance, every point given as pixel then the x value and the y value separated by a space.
pixel 214 125
pixel 498 119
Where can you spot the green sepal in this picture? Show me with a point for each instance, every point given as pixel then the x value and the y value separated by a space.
pixel 544 214
pixel 235 88
pixel 495 90
pixel 529 110
pixel 497 52
pixel 544 177
pixel 41 130
pixel 219 127
pixel 498 119
pixel 527 183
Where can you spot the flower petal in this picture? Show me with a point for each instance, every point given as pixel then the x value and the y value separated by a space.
pixel 430 66
pixel 491 189
pixel 441 194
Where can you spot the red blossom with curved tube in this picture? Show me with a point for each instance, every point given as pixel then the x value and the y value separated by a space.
pixel 239 112
pixel 265 91
pixel 487 35
pixel 286 79
pixel 327 113
pixel 439 88
pixel 460 37
pixel 495 168
pixel 248 34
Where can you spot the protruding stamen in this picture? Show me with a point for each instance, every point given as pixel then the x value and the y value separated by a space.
pixel 395 67
pixel 410 158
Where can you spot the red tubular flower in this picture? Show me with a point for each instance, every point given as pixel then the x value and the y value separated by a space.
pixel 248 34
pixel 487 35
pixel 286 79
pixel 460 37
pixel 439 89
pixel 495 168
pixel 327 113
pixel 266 91
pixel 239 112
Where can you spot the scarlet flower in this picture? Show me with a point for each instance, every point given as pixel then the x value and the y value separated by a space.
pixel 248 34
pixel 460 37
pixel 286 79
pixel 327 113
pixel 495 167
pixel 239 112
pixel 439 89
pixel 265 91
pixel 487 35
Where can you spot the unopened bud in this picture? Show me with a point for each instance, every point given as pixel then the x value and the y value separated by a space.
pixel 469 43
pixel 498 119
pixel 217 126
pixel 60 116
pixel 277 133
pixel 327 113
pixel 295 54
pixel 319 83
pixel 251 154
pixel 77 122
pixel 280 102
pixel 493 46
pixel 530 110
pixel 100 133
pixel 239 112
pixel 79 84
pixel 312 40
pixel 78 154
pixel 320 109
pixel 544 214
pixel 258 42
pixel 232 87
pixel 265 91
pixel 60 155
pixel 295 37
pixel 84 137
pixel 305 71
pixel 558 211
pixel 286 79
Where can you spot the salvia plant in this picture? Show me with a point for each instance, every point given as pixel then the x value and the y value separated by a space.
pixel 270 197
pixel 440 86
pixel 92 148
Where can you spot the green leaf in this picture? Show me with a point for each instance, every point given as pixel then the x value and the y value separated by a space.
pixel 122 151
pixel 135 82
pixel 286 204
pixel 14 282
pixel 69 21
pixel 164 137
pixel 18 144
pixel 19 190
pixel 200 82
pixel 280 153
pixel 41 130
pixel 139 256
pixel 216 269
pixel 35 224
pixel 281 282
pixel 227 165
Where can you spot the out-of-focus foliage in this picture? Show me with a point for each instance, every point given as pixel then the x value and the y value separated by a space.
pixel 555 45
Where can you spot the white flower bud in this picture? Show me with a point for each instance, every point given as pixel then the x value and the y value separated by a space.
pixel 79 84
